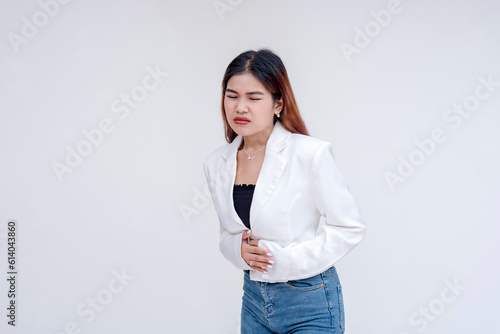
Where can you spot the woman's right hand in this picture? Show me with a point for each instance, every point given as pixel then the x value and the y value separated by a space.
pixel 250 251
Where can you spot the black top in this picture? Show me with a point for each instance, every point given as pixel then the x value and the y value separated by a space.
pixel 242 197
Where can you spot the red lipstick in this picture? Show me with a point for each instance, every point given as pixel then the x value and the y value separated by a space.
pixel 241 120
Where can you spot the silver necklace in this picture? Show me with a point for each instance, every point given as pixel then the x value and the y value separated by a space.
pixel 250 155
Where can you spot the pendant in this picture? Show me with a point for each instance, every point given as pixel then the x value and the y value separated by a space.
pixel 249 157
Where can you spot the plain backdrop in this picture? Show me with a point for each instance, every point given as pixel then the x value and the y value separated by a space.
pixel 383 81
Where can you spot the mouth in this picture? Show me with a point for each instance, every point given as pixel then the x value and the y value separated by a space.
pixel 241 120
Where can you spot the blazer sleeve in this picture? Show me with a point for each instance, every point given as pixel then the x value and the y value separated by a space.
pixel 230 247
pixel 343 229
pixel 229 244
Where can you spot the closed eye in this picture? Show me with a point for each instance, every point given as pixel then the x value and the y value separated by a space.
pixel 235 97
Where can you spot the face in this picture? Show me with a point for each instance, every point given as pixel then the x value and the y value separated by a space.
pixel 249 106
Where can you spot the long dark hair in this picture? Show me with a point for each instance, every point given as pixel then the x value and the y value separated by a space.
pixel 268 68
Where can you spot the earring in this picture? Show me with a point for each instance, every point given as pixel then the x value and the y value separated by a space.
pixel 278 115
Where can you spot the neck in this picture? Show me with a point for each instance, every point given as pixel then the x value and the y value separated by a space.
pixel 254 142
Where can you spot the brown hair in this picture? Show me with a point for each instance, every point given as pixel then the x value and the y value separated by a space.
pixel 268 68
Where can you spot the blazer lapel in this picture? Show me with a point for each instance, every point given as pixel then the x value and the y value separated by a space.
pixel 272 168
pixel 271 171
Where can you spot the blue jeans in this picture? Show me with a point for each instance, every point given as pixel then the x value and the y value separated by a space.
pixel 309 305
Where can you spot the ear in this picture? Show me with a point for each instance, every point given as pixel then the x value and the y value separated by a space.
pixel 278 106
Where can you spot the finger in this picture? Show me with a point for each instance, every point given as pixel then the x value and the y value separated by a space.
pixel 259 261
pixel 259 266
pixel 262 266
pixel 254 242
pixel 262 261
pixel 258 250
pixel 246 235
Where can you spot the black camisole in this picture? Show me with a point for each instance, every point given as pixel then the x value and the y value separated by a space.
pixel 242 198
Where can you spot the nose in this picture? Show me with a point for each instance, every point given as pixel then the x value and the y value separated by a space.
pixel 241 106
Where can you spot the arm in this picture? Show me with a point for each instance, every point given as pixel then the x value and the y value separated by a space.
pixel 230 247
pixel 229 244
pixel 343 230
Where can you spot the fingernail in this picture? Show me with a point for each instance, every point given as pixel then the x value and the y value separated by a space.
pixel 269 254
pixel 269 266
pixel 271 261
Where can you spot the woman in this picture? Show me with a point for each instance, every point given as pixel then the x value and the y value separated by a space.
pixel 271 185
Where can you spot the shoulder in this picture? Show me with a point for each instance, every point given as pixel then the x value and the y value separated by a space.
pixel 307 146
pixel 215 156
pixel 216 153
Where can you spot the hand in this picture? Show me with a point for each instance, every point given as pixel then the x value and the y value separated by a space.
pixel 250 251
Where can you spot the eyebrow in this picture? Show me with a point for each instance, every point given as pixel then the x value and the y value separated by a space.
pixel 248 93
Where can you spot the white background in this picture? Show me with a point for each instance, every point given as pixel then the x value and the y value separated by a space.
pixel 120 208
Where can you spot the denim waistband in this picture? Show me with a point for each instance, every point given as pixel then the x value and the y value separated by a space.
pixel 327 271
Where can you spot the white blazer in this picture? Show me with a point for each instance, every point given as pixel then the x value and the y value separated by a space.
pixel 298 183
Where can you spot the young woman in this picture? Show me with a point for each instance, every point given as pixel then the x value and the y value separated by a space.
pixel 271 184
